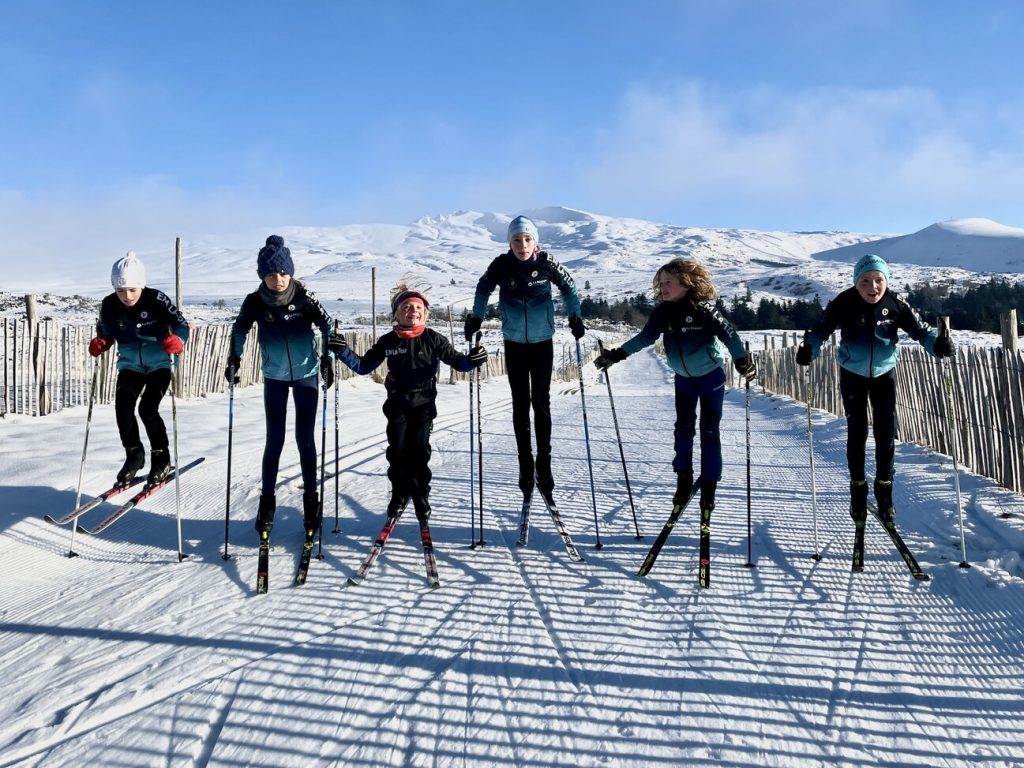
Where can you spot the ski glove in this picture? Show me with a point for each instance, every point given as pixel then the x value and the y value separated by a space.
pixel 577 326
pixel 477 356
pixel 336 343
pixel 804 354
pixel 943 346
pixel 745 367
pixel 472 326
pixel 610 357
pixel 231 372
pixel 99 345
pixel 327 371
pixel 173 345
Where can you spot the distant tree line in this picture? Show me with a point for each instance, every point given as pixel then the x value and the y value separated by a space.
pixel 976 309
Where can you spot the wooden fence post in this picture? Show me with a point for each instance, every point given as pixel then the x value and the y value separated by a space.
pixel 1008 329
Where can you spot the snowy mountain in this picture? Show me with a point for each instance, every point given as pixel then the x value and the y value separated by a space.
pixel 616 256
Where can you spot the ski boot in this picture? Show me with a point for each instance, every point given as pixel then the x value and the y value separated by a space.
pixel 859 500
pixel 707 495
pixel 684 487
pixel 311 512
pixel 135 459
pixel 545 482
pixel 265 515
pixel 159 466
pixel 883 496
pixel 526 475
pixel 421 502
pixel 398 502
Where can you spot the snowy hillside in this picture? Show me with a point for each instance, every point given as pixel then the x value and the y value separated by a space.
pixel 616 256
pixel 125 657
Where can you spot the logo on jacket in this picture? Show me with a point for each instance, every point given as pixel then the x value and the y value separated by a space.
pixel 268 316
pixel 512 283
pixel 534 273
pixel 885 312
pixel 144 314
pixel 291 307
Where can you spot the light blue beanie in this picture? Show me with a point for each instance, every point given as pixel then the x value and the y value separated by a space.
pixel 521 224
pixel 870 263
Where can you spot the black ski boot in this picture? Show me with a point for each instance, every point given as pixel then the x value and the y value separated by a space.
pixel 707 495
pixel 159 466
pixel 883 496
pixel 135 459
pixel 421 502
pixel 265 514
pixel 859 500
pixel 545 482
pixel 311 511
pixel 526 475
pixel 684 487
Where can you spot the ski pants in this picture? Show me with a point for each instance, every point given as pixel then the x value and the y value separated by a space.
pixel 857 391
pixel 709 391
pixel 529 377
pixel 146 389
pixel 275 405
pixel 408 453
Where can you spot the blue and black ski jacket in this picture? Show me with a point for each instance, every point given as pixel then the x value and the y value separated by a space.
pixel 141 329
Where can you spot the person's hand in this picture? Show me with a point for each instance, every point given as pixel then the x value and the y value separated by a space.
pixel 231 371
pixel 477 356
pixel 577 326
pixel 745 367
pixel 609 357
pixel 327 371
pixel 336 343
pixel 943 346
pixel 804 354
pixel 173 345
pixel 472 326
pixel 99 345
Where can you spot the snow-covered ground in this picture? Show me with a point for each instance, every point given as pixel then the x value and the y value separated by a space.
pixel 125 657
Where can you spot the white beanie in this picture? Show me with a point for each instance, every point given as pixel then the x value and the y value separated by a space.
pixel 522 224
pixel 128 272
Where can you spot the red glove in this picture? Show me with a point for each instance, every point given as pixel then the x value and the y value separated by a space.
pixel 173 345
pixel 99 345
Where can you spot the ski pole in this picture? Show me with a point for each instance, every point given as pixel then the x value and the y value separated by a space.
pixel 472 456
pixel 947 366
pixel 480 445
pixel 586 435
pixel 750 536
pixel 85 446
pixel 174 427
pixel 337 471
pixel 810 444
pixel 231 429
pixel 323 471
pixel 618 437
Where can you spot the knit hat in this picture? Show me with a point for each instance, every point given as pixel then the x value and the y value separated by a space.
pixel 870 263
pixel 521 224
pixel 404 296
pixel 274 258
pixel 128 272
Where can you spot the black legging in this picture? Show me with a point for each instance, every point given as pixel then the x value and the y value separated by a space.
pixel 529 376
pixel 152 387
pixel 881 391
pixel 275 406
pixel 409 450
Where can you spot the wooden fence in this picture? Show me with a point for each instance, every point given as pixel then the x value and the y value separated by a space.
pixel 982 388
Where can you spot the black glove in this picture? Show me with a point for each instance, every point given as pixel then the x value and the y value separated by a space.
pixel 336 343
pixel 804 354
pixel 472 326
pixel 231 371
pixel 610 357
pixel 943 346
pixel 327 371
pixel 745 367
pixel 477 356
pixel 577 326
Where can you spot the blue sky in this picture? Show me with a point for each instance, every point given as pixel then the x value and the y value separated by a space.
pixel 136 120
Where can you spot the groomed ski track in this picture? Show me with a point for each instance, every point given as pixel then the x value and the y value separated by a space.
pixel 125 657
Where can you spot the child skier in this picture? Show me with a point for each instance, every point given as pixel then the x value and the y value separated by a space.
pixel 148 329
pixel 524 276
pixel 870 317
pixel 286 314
pixel 412 352
pixel 691 327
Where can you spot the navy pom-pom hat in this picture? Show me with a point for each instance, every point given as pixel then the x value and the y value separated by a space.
pixel 274 258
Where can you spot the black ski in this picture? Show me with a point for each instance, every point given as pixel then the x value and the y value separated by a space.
pixel 901 547
pixel 378 545
pixel 433 580
pixel 858 545
pixel 305 558
pixel 659 542
pixel 263 565
pixel 92 503
pixel 570 548
pixel 524 521
pixel 138 498
pixel 704 569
